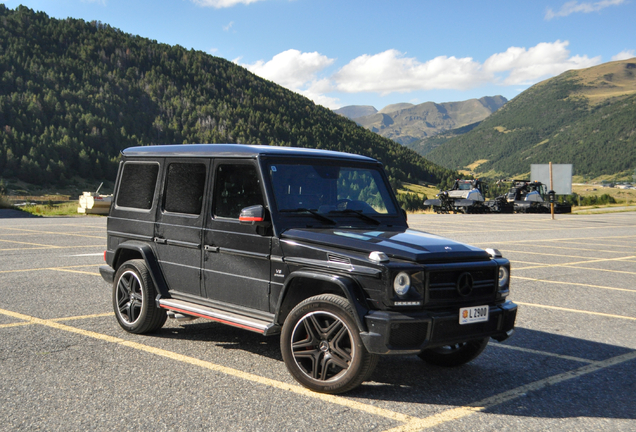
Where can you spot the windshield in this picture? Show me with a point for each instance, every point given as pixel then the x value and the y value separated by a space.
pixel 332 189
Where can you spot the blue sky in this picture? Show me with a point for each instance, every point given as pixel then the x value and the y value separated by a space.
pixel 380 52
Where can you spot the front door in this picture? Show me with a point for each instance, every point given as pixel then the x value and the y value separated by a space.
pixel 236 264
pixel 179 224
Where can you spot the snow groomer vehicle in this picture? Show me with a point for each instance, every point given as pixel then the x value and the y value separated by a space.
pixel 307 244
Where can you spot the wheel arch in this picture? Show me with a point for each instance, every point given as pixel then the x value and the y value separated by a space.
pixel 138 250
pixel 301 285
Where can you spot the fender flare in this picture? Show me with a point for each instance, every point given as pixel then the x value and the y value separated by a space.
pixel 348 286
pixel 151 262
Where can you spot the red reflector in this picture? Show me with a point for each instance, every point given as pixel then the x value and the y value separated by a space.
pixel 104 255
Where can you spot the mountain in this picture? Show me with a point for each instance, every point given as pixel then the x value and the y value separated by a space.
pixel 73 94
pixel 406 123
pixel 583 117
pixel 428 144
pixel 354 111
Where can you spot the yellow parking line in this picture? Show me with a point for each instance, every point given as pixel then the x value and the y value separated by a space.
pixel 55 233
pixel 75 271
pixel 505 251
pixel 337 400
pixel 543 353
pixel 53 247
pixel 548 247
pixel 32 244
pixel 573 264
pixel 574 283
pixel 14 325
pixel 556 240
pixel 411 424
pixel 589 268
pixel 577 311
pixel 460 412
pixel 555 228
pixel 50 268
pixel 83 317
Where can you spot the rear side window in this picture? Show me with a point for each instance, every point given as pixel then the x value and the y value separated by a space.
pixel 137 185
pixel 184 188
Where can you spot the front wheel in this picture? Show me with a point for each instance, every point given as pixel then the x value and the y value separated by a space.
pixel 322 348
pixel 134 299
pixel 454 355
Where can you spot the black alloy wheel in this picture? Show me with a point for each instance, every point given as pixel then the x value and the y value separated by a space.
pixel 133 299
pixel 454 355
pixel 322 348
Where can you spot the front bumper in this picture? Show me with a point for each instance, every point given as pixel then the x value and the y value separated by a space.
pixel 410 333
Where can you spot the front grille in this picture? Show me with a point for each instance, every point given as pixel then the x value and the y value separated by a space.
pixel 442 285
pixel 408 335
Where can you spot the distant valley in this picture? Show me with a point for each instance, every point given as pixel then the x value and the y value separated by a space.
pixel 406 123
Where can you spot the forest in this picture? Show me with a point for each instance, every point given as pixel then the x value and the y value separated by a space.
pixel 73 94
pixel 549 123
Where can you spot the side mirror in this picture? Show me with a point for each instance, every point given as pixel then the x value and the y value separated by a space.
pixel 254 215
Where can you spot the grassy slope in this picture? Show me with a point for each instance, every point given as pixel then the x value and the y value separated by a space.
pixel 556 121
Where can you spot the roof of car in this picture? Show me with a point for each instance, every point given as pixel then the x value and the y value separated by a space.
pixel 234 150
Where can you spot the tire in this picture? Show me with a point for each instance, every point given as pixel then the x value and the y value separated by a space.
pixel 134 299
pixel 322 348
pixel 454 355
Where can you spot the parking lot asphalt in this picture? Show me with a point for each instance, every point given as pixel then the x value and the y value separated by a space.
pixel 65 364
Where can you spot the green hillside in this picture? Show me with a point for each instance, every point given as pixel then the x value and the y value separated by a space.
pixel 428 144
pixel 585 118
pixel 75 93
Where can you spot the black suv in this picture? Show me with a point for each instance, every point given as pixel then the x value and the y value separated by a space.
pixel 308 244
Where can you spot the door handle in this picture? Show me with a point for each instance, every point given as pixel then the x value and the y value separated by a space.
pixel 160 240
pixel 211 248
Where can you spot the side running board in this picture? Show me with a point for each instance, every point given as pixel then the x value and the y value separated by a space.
pixel 265 328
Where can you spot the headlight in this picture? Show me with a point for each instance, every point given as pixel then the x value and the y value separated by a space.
pixel 401 283
pixel 504 276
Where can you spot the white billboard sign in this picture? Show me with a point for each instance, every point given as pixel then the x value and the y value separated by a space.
pixel 561 177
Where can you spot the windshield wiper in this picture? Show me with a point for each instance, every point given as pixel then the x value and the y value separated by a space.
pixel 360 214
pixel 312 212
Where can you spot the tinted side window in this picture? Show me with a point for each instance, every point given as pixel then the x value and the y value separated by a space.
pixel 236 187
pixel 184 188
pixel 137 185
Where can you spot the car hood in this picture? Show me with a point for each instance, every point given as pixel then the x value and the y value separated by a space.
pixel 404 244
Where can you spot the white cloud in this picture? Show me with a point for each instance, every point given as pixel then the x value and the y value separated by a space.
pixel 291 68
pixel 229 26
pixel 393 72
pixel 390 71
pixel 576 7
pixel 527 66
pixel 624 55
pixel 219 4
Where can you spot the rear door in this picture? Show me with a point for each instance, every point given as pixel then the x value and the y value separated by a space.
pixel 179 222
pixel 236 265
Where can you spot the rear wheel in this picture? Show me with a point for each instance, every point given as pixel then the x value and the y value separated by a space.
pixel 322 348
pixel 454 355
pixel 134 299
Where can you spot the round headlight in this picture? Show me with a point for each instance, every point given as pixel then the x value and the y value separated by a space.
pixel 401 283
pixel 504 275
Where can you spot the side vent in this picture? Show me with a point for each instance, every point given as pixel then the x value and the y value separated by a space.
pixel 339 259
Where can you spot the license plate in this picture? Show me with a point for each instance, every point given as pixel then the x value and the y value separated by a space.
pixel 473 314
